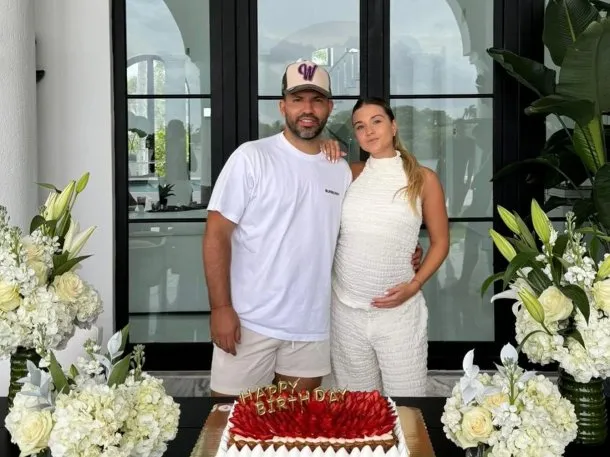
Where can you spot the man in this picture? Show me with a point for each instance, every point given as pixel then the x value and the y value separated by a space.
pixel 268 249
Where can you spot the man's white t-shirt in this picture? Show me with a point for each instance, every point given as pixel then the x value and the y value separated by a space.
pixel 287 207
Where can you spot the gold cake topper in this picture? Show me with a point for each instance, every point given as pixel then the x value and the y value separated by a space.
pixel 269 399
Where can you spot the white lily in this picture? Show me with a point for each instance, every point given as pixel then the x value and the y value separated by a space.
pixel 508 354
pixel 75 240
pixel 508 293
pixel 49 205
pixel 470 386
pixel 63 199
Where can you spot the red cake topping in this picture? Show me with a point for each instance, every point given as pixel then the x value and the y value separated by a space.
pixel 352 415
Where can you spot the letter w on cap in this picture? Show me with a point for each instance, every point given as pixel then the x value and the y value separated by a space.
pixel 307 71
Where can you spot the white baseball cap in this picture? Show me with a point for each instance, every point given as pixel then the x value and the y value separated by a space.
pixel 306 75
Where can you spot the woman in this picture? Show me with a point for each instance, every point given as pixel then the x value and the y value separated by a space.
pixel 379 315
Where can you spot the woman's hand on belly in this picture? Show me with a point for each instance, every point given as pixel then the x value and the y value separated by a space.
pixel 397 295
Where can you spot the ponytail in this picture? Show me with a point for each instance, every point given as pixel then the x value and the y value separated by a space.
pixel 413 171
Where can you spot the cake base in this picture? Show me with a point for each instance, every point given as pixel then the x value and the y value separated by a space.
pixel 411 420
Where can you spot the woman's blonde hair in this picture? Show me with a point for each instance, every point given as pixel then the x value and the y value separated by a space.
pixel 413 170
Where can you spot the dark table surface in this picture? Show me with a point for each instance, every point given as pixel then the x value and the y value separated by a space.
pixel 194 411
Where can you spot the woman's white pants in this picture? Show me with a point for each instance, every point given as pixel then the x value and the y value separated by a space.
pixel 380 349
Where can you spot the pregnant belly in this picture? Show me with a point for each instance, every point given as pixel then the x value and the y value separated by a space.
pixel 366 272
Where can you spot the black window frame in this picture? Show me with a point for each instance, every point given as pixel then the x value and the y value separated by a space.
pixel 234 98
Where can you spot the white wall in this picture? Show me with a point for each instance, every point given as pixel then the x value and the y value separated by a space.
pixel 75 123
pixel 75 130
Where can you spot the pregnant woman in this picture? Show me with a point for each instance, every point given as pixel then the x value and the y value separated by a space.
pixel 379 335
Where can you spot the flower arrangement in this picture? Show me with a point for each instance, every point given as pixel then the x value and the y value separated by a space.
pixel 562 295
pixel 42 298
pixel 509 413
pixel 103 405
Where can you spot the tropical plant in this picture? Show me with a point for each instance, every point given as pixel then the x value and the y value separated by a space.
pixel 577 35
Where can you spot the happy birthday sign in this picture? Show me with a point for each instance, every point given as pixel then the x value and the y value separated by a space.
pixel 271 398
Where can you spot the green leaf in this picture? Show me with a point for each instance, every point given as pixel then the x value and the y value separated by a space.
pixel 489 281
pixel 522 246
pixel 530 73
pixel 527 337
pixel 49 186
pixel 37 221
pixel 583 210
pixel 560 244
pixel 119 372
pixel 564 21
pixel 521 260
pixel 538 280
pixel 68 265
pixel 581 111
pixel 592 231
pixel 589 144
pixel 555 202
pixel 526 234
pixel 595 247
pixel 124 336
pixel 73 371
pixel 578 297
pixel 59 378
pixel 60 259
pixel 601 195
pixel 586 66
pixel 557 270
pixel 578 337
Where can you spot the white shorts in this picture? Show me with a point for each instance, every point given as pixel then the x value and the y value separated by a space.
pixel 258 358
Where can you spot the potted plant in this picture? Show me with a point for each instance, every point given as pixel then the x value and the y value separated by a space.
pixel 577 35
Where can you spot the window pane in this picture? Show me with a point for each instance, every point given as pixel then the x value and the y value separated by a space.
pixel 168 47
pixel 339 125
pixel 438 47
pixel 327 32
pixel 168 297
pixel 456 310
pixel 169 145
pixel 454 138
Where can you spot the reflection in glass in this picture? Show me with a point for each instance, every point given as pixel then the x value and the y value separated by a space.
pixel 339 125
pixel 169 145
pixel 456 310
pixel 167 290
pixel 438 47
pixel 288 31
pixel 168 47
pixel 454 138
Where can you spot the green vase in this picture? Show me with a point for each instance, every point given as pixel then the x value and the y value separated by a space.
pixel 19 370
pixel 590 406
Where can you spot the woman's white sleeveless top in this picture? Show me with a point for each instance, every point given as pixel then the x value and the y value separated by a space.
pixel 378 235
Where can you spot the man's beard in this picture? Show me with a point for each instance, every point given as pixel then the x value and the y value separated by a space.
pixel 306 133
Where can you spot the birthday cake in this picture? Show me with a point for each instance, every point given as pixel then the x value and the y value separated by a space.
pixel 277 421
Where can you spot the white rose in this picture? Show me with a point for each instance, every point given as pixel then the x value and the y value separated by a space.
pixel 32 434
pixel 34 252
pixel 40 270
pixel 556 305
pixel 477 427
pixel 494 401
pixel 68 286
pixel 601 294
pixel 9 297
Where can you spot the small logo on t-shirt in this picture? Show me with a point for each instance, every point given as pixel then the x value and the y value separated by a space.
pixel 329 191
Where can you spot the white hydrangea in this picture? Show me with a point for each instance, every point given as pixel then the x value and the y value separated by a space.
pixel 36 317
pixel 153 418
pixel 132 418
pixel 89 421
pixel 529 416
